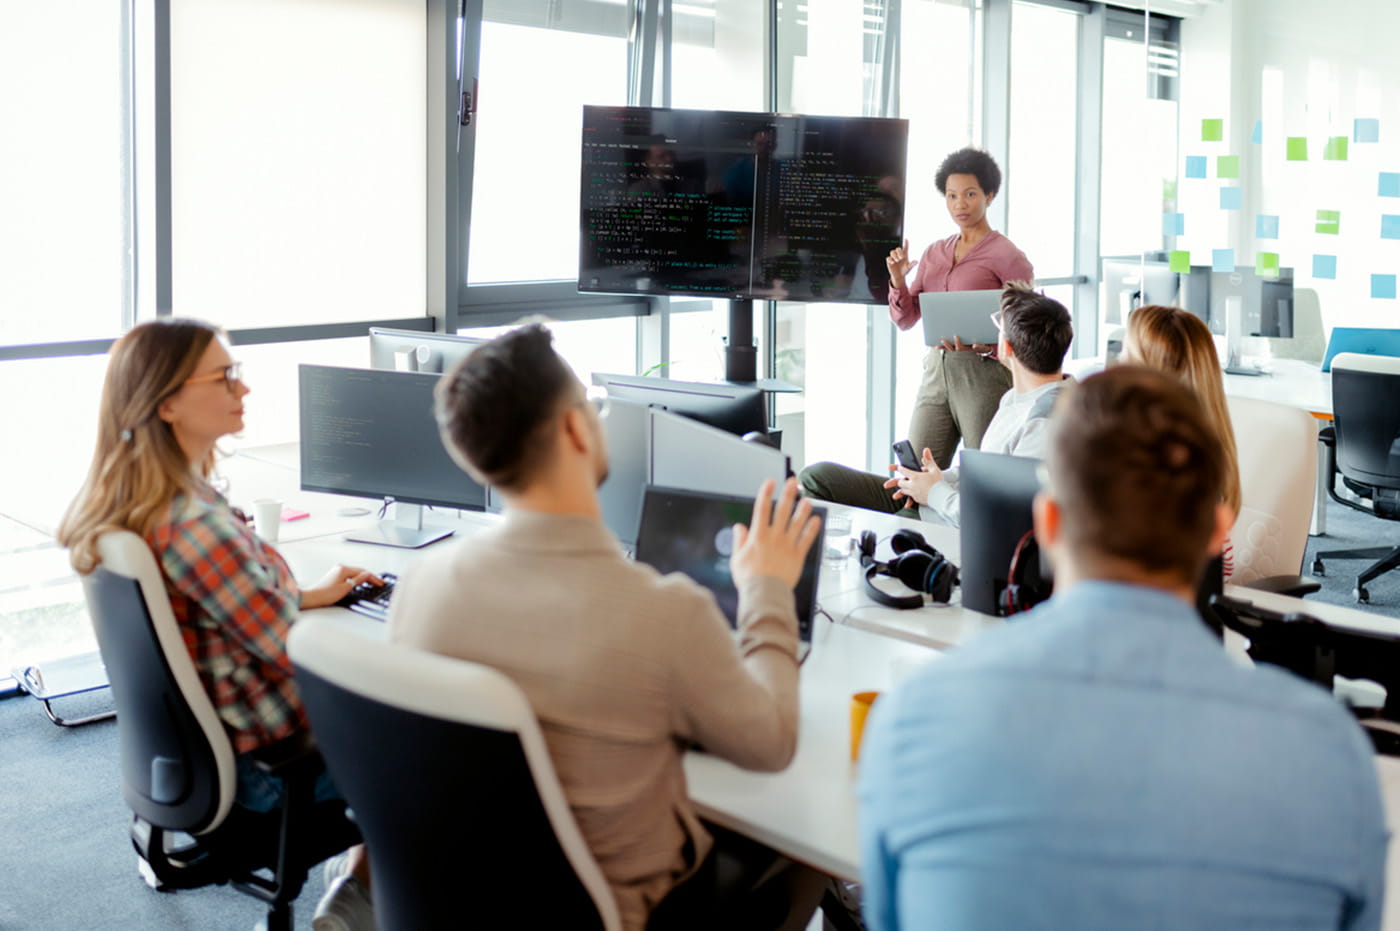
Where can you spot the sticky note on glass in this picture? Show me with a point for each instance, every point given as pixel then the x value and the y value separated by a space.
pixel 1389 185
pixel 1324 266
pixel 1257 136
pixel 1366 130
pixel 1266 264
pixel 1265 226
pixel 1212 130
pixel 1329 221
pixel 1222 260
pixel 1195 166
pixel 1168 191
pixel 1390 226
pixel 1297 148
pixel 1179 261
pixel 1173 224
pixel 1227 166
pixel 1231 198
pixel 1335 150
pixel 1383 286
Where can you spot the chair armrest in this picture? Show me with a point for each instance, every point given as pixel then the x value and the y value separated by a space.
pixel 288 756
pixel 1295 585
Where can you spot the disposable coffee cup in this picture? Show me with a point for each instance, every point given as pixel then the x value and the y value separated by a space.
pixel 267 517
pixel 860 710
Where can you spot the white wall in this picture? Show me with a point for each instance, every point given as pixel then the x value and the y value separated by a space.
pixel 1305 69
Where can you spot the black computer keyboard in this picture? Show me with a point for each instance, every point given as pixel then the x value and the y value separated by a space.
pixel 371 600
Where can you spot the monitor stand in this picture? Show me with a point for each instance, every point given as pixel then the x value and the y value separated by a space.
pixel 406 530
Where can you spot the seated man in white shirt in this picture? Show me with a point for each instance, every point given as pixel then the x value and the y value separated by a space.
pixel 1034 335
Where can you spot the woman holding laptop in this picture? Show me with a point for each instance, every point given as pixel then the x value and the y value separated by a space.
pixel 962 385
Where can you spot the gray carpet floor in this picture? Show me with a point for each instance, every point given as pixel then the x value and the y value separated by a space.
pixel 69 864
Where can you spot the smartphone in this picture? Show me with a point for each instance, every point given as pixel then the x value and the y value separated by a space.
pixel 904 455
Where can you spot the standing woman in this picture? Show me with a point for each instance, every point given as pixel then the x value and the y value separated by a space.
pixel 171 393
pixel 1179 343
pixel 961 384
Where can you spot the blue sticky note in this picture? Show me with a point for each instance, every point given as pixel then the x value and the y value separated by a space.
pixel 1195 166
pixel 1258 135
pixel 1383 286
pixel 1173 224
pixel 1265 226
pixel 1367 130
pixel 1324 266
pixel 1222 260
pixel 1390 226
pixel 1390 184
pixel 1231 198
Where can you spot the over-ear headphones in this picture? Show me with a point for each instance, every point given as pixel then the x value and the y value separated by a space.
pixel 917 564
pixel 1027 584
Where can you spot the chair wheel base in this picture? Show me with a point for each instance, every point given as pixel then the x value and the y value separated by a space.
pixel 1318 568
pixel 1361 594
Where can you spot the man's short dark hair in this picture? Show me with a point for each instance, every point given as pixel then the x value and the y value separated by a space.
pixel 1037 327
pixel 1137 471
pixel 496 405
pixel 970 162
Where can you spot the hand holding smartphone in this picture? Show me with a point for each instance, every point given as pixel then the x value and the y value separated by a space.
pixel 904 455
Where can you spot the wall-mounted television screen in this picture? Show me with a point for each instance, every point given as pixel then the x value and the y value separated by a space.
pixel 740 206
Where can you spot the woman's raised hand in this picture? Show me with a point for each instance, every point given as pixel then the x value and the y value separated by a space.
pixel 899 264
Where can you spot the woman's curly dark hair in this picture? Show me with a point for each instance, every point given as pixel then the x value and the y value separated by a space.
pixel 970 162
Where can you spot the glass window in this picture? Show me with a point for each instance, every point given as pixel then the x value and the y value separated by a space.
pixel 1040 176
pixel 588 346
pixel 540 63
pixel 1138 168
pixel 298 160
pixel 717 53
pixel 65 219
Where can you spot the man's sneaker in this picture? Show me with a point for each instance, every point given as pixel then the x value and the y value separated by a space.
pixel 336 867
pixel 344 907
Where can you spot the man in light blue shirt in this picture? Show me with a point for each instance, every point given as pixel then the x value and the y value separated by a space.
pixel 1102 763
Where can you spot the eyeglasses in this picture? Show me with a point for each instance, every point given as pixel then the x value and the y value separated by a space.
pixel 996 319
pixel 229 375
pixel 597 395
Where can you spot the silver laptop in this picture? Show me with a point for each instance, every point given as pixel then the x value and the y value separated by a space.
pixel 965 314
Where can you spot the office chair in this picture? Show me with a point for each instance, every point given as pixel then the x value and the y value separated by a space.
pixel 1363 340
pixel 1363 445
pixel 177 762
pixel 1277 450
pixel 446 769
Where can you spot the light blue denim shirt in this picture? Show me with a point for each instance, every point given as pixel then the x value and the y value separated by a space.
pixel 1103 764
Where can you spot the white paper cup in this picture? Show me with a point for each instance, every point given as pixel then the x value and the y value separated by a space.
pixel 267 517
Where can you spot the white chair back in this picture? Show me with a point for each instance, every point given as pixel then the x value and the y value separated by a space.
pixel 1277 448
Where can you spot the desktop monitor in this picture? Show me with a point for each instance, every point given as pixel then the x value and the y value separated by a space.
pixel 687 454
pixel 996 492
pixel 417 351
pixel 627 433
pixel 1266 303
pixel 373 434
pixel 738 409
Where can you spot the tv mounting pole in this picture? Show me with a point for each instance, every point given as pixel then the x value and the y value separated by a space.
pixel 740 353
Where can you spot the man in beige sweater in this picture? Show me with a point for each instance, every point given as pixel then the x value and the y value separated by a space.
pixel 623 666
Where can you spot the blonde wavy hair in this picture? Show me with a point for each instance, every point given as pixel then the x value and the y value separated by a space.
pixel 1179 343
pixel 137 465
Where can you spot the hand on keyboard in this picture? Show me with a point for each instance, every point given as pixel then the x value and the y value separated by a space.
pixel 369 599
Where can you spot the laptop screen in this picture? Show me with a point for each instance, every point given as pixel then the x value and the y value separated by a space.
pixel 692 532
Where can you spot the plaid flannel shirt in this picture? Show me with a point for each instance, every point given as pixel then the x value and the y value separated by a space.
pixel 235 601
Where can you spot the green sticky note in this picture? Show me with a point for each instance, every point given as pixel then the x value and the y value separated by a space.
pixel 1168 192
pixel 1297 148
pixel 1180 262
pixel 1227 166
pixel 1266 264
pixel 1212 130
pixel 1336 149
pixel 1329 222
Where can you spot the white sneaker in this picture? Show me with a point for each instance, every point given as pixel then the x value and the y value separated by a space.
pixel 344 907
pixel 336 867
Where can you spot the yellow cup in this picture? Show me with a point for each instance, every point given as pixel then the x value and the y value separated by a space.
pixel 860 708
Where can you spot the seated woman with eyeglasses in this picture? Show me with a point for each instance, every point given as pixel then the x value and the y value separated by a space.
pixel 171 393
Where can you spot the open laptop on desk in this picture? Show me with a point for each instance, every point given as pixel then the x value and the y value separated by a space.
pixel 692 532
